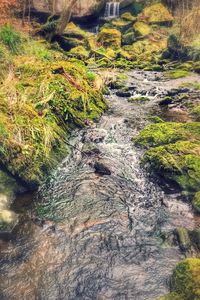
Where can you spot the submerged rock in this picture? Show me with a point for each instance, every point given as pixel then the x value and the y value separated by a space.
pixel 101 167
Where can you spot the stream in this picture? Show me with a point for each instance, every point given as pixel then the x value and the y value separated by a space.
pixel 107 234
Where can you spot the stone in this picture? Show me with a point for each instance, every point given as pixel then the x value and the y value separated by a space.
pixel 102 168
pixel 157 14
pixel 183 239
pixel 110 38
pixel 142 29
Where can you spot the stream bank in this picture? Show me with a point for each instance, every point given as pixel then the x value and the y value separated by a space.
pixel 99 236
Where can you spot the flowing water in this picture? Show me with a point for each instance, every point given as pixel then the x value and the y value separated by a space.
pixel 113 234
pixel 112 10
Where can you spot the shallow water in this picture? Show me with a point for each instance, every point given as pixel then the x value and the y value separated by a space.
pixel 104 236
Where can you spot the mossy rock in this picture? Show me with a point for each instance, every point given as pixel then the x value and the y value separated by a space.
pixel 167 133
pixel 53 95
pixel 157 14
pixel 128 38
pixel 197 67
pixel 175 74
pixel 153 67
pixel 123 92
pixel 196 112
pixel 146 50
pixel 186 279
pixel 142 29
pixel 155 119
pixel 196 202
pixel 195 237
pixel 74 31
pixel 121 24
pixel 128 17
pixel 179 162
pixel 80 52
pixel 110 38
pixel 183 238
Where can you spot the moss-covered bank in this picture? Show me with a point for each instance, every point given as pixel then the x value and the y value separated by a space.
pixel 185 283
pixel 43 96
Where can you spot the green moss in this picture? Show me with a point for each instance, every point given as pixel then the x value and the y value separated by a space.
pixel 174 74
pixel 172 296
pixel 128 38
pixel 155 119
pixel 157 14
pixel 192 85
pixel 196 112
pixel 80 52
pixel 139 99
pixel 50 95
pixel 110 38
pixel 196 202
pixel 168 132
pixel 121 23
pixel 142 29
pixel 183 238
pixel 179 162
pixel 128 17
pixel 186 279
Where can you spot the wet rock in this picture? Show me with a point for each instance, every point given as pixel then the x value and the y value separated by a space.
pixel 101 167
pixel 166 101
pixel 124 92
pixel 195 237
pixel 90 149
pixel 183 238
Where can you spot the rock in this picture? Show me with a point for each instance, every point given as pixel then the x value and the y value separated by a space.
pixel 124 92
pixel 196 202
pixel 142 29
pixel 195 237
pixel 128 17
pixel 110 38
pixel 183 239
pixel 166 101
pixel 90 149
pixel 102 168
pixel 116 84
pixel 80 52
pixel 128 38
pixel 157 14
pixel 196 112
pixel 81 9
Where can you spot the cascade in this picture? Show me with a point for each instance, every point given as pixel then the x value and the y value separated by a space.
pixel 112 10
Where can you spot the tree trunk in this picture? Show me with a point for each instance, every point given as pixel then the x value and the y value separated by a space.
pixel 65 16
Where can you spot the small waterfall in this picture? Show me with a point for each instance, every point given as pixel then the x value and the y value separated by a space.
pixel 112 10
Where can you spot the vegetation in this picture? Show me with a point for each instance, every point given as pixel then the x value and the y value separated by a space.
pixel 185 281
pixel 49 95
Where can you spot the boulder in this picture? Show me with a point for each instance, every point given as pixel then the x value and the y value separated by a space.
pixel 157 14
pixel 101 167
pixel 110 38
pixel 142 29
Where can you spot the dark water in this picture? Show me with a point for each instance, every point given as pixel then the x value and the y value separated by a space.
pixel 113 235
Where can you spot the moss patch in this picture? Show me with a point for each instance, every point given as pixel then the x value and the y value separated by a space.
pixel 157 13
pixel 42 99
pixel 196 202
pixel 175 74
